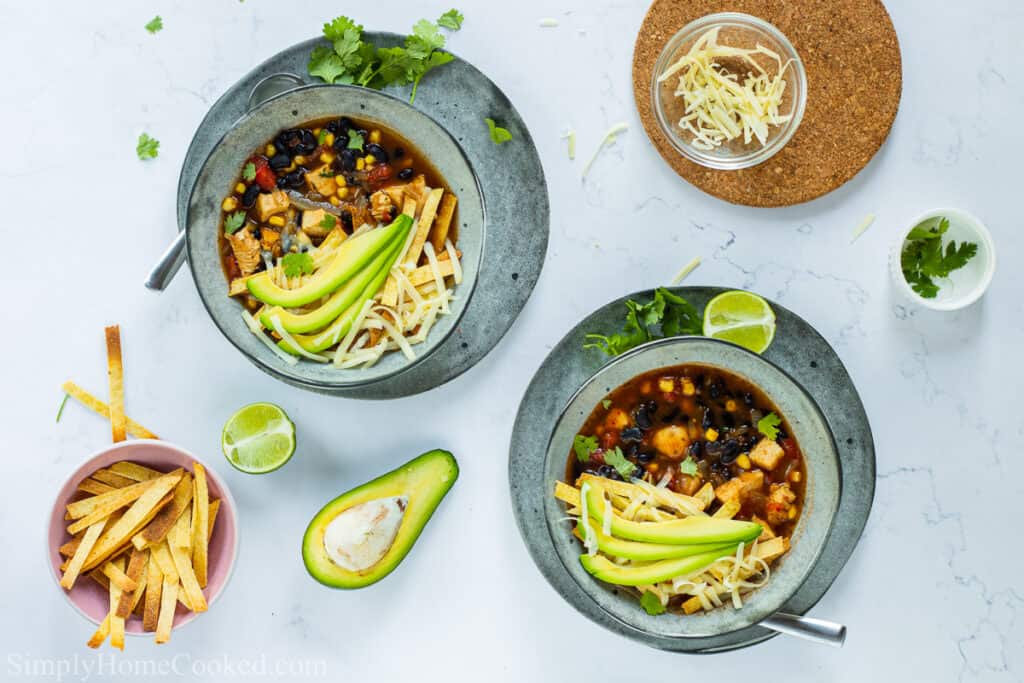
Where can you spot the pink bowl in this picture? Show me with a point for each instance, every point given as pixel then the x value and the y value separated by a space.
pixel 88 597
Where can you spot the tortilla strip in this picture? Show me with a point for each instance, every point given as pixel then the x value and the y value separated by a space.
pixel 69 548
pixel 162 556
pixel 116 622
pixel 214 507
pixel 728 510
pixel 136 567
pixel 113 479
pixel 92 534
pixel 443 222
pixel 99 407
pixel 240 285
pixel 395 193
pixel 141 510
pixel 425 274
pixel 134 471
pixel 101 633
pixel 200 524
pixel 112 569
pixel 423 227
pixel 162 523
pixel 94 487
pixel 168 603
pixel 115 371
pixel 106 503
pixel 154 586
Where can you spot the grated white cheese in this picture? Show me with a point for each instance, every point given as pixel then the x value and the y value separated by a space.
pixel 428 249
pixel 687 269
pixel 339 355
pixel 609 139
pixel 570 135
pixel 548 22
pixel 255 328
pixel 863 227
pixel 453 255
pixel 275 322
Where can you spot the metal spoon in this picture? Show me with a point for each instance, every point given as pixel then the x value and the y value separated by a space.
pixel 817 630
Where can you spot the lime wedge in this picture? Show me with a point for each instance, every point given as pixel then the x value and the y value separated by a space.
pixel 741 318
pixel 258 438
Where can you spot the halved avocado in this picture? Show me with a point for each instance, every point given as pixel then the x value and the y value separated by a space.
pixel 686 531
pixel 420 483
pixel 602 568
pixel 352 256
pixel 649 552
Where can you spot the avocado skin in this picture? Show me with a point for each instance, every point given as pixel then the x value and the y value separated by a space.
pixel 604 569
pixel 424 480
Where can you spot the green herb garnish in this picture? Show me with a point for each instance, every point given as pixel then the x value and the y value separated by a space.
pixel 147 147
pixel 452 19
pixel 606 403
pixel 351 60
pixel 328 221
pixel 651 604
pixel 688 466
pixel 499 135
pixel 355 140
pixel 616 459
pixel 234 221
pixel 155 24
pixel 322 136
pixel 583 446
pixel 769 425
pixel 924 259
pixel 249 172
pixel 60 411
pixel 667 315
pixel 297 264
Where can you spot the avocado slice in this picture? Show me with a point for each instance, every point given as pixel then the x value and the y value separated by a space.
pixel 362 535
pixel 338 302
pixel 602 568
pixel 649 552
pixel 352 256
pixel 686 531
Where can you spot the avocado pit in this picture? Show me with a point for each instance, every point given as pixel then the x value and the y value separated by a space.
pixel 361 536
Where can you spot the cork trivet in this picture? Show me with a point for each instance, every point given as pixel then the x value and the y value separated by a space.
pixel 854 81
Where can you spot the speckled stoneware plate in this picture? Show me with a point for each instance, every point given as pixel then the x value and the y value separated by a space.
pixel 458 97
pixel 289 110
pixel 798 356
pixel 808 426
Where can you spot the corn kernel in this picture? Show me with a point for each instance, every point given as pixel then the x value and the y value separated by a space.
pixel 340 180
pixel 333 200
pixel 743 461
pixel 795 476
pixel 792 513
pixel 276 221
pixel 229 204
pixel 688 388
pixel 730 406
pixel 327 157
pixel 711 434
pixel 342 192
pixel 370 159
pixel 329 139
pixel 666 385
pixel 271 150
pixel 375 136
pixel 299 159
pixel 645 388
pixel 360 164
pixel 240 188
pixel 316 131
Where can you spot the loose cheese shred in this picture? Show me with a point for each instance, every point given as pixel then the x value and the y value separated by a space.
pixel 609 139
pixel 453 255
pixel 718 107
pixel 687 269
pixel 588 534
pixel 862 228
pixel 255 328
pixel 275 322
pixel 548 22
pixel 339 356
pixel 570 135
pixel 606 526
pixel 428 249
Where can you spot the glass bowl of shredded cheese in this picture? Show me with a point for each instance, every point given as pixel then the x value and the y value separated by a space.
pixel 729 91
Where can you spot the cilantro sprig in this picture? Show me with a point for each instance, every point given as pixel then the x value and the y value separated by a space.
pixel 353 61
pixel 616 459
pixel 155 24
pixel 147 147
pixel 923 258
pixel 688 466
pixel 666 315
pixel 769 425
pixel 297 264
pixel 651 604
pixel 328 221
pixel 234 221
pixel 583 446
pixel 249 172
pixel 499 135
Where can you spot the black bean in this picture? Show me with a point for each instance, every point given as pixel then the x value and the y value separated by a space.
pixel 282 182
pixel 346 123
pixel 715 390
pixel 307 142
pixel 348 159
pixel 748 398
pixel 405 173
pixel 695 450
pixel 644 457
pixel 639 472
pixel 643 416
pixel 378 152
pixel 257 233
pixel 296 178
pixel 340 143
pixel 288 140
pixel 609 472
pixel 250 195
pixel 279 161
pixel 398 153
pixel 346 219
pixel 631 434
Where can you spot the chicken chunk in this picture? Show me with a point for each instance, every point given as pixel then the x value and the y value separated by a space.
pixel 738 488
pixel 616 419
pixel 780 500
pixel 672 441
pixel 270 240
pixel 313 222
pixel 381 206
pixel 767 533
pixel 246 249
pixel 767 454
pixel 270 204
pixel 323 184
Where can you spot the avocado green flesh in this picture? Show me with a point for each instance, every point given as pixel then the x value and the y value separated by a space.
pixel 685 531
pixel 352 256
pixel 649 552
pixel 423 481
pixel 641 575
pixel 338 302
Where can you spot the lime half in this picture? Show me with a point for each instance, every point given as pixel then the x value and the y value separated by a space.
pixel 258 438
pixel 741 318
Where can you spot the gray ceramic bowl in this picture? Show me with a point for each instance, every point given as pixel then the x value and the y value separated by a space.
pixel 251 132
pixel 822 493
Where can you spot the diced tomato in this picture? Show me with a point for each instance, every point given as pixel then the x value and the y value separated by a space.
pixel 379 173
pixel 789 446
pixel 609 439
pixel 596 458
pixel 265 176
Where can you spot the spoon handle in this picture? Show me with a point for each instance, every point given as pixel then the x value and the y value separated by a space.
pixel 817 630
pixel 168 265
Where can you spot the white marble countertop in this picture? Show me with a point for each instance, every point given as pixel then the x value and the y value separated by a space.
pixel 930 593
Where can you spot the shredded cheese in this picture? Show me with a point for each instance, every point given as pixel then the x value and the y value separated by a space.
pixel 570 135
pixel 588 534
pixel 453 255
pixel 255 328
pixel 609 139
pixel 548 22
pixel 275 323
pixel 687 269
pixel 863 227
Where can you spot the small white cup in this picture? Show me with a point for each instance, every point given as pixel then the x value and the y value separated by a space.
pixel 964 286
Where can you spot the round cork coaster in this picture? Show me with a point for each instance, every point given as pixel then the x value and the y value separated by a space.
pixel 854 80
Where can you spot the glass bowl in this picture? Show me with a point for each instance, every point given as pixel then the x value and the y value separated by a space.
pixel 740 31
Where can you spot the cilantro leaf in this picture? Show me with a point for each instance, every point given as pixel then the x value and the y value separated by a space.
pixel 923 257
pixel 499 135
pixel 60 411
pixel 323 63
pixel 451 19
pixel 679 317
pixel 583 446
pixel 355 140
pixel 234 221
pixel 606 403
pixel 155 24
pixel 249 172
pixel 666 315
pixel 651 604
pixel 616 459
pixel 688 466
pixel 769 425
pixel 297 264
pixel 328 221
pixel 147 147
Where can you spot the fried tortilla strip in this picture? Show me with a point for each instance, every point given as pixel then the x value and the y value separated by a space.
pixel 101 408
pixel 116 622
pixel 728 510
pixel 200 524
pixel 101 633
pixel 442 224
pixel 168 603
pixel 113 570
pixel 77 561
pixel 141 510
pixel 154 586
pixel 240 285
pixel 214 507
pixel 134 471
pixel 423 227
pixel 113 479
pixel 94 487
pixel 181 536
pixel 567 494
pixel 189 584
pixel 425 274
pixel 69 548
pixel 157 530
pixel 110 501
pixel 115 371
pixel 162 556
pixel 135 572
